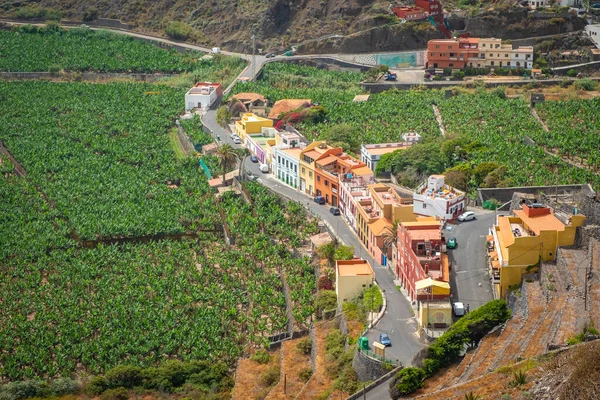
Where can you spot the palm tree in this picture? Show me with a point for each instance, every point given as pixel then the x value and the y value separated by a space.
pixel 228 156
pixel 243 153
pixel 390 235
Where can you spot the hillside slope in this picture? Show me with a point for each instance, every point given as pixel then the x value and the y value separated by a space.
pixel 230 23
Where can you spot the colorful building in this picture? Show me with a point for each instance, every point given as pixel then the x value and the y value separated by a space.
pixel 419 254
pixel 202 95
pixel 286 165
pixel 431 7
pixel 530 235
pixel 409 13
pixel 352 277
pixel 460 53
pixel 327 172
pixel 353 189
pixel 435 310
pixel 436 199
pixel 311 153
pixel 251 124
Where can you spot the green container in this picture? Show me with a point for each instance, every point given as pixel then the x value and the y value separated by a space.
pixel 363 343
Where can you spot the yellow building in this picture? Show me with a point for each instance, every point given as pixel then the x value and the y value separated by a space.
pixel 251 124
pixel 351 278
pixel 308 156
pixel 531 235
pixel 435 310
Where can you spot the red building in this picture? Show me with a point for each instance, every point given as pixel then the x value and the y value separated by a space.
pixel 452 53
pixel 409 13
pixel 419 254
pixel 432 7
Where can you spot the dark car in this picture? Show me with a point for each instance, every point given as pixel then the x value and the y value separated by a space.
pixel 254 159
pixel 334 210
pixel 270 55
pixel 384 339
pixel 451 243
pixel 320 200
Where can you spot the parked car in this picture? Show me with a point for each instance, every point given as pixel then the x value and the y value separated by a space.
pixel 334 210
pixel 466 216
pixel 384 339
pixel 234 135
pixel 451 243
pixel 237 140
pixel 458 309
pixel 264 168
pixel 254 159
pixel 252 177
pixel 270 55
pixel 319 200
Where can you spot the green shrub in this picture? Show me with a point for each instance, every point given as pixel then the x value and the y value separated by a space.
pixel 407 381
pixel 519 378
pixel 373 299
pixel 585 84
pixel 347 381
pixel 178 30
pixel 126 376
pixel 334 344
pixel 305 374
pixel 115 394
pixel 223 116
pixel 96 386
pixel 34 12
pixel 304 346
pixel 468 330
pixel 472 396
pixel 500 91
pixel 90 14
pixel 270 376
pixel 261 357
pixel 54 69
pixel 24 390
pixel 325 300
pixel 572 73
pixel 64 386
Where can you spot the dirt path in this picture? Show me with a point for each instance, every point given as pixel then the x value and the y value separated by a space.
pixel 18 167
pixel 440 121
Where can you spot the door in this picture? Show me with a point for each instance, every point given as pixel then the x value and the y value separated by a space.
pixel 334 201
pixel 383 260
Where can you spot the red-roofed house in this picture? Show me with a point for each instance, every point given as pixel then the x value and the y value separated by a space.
pixel 409 13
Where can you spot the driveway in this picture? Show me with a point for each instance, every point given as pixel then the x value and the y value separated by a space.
pixel 469 276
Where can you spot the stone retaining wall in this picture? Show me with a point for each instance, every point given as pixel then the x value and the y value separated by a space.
pixel 85 76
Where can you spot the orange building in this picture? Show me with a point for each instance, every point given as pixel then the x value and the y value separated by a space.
pixel 453 53
pixel 327 170
pixel 409 13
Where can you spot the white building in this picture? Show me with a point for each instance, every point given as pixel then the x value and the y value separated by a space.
pixel 521 57
pixel 286 165
pixel 370 154
pixel 353 189
pixel 436 199
pixel 593 31
pixel 202 95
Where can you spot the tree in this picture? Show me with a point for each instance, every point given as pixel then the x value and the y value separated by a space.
pixel 456 178
pixel 325 300
pixel 344 253
pixel 407 381
pixel 178 30
pixel 344 136
pixel 243 153
pixel 227 156
pixel 482 170
pixel 223 116
pixel 390 235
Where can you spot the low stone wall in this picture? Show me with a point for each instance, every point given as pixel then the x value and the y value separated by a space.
pixel 374 384
pixel 367 368
pixel 505 194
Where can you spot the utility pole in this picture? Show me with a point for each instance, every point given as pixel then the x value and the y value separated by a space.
pixel 253 37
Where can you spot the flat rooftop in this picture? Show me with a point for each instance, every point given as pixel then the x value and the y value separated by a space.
pixel 353 268
pixel 384 148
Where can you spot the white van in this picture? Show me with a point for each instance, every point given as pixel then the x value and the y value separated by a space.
pixel 216 50
pixel 264 168
pixel 458 308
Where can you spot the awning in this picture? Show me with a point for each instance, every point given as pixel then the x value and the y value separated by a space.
pixel 496 264
pixel 437 286
pixel 489 238
pixel 493 255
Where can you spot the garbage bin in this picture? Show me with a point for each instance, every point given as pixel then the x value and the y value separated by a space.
pixel 363 343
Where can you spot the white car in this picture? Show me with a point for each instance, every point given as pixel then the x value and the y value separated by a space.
pixel 237 140
pixel 466 216
pixel 458 309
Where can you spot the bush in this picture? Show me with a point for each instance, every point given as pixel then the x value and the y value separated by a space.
pixel 64 386
pixel 585 84
pixel 468 330
pixel 270 376
pixel 34 12
pixel 178 30
pixel 304 346
pixel 115 394
pixel 373 299
pixel 261 357
pixel 519 378
pixel 95 386
pixel 24 390
pixel 572 73
pixel 90 14
pixel 334 344
pixel 500 91
pixel 325 300
pixel 305 374
pixel 407 381
pixel 54 69
pixel 223 116
pixel 125 376
pixel 325 283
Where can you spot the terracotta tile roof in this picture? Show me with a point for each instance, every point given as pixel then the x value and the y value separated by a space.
pixel 425 234
pixel 362 171
pixel 313 154
pixel 249 97
pixel 287 105
pixel 379 226
pixel 540 223
pixel 327 160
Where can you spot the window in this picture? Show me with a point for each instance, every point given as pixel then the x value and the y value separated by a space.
pixel 437 46
pixel 492 63
pixel 497 46
pixel 303 170
pixel 432 54
pixel 326 182
pixel 451 65
pixel 517 55
pixel 424 205
pixel 452 55
pixel 506 56
pixel 310 174
pixel 508 64
pixel 450 48
pixel 318 178
pixel 279 159
pixel 482 44
pixel 295 168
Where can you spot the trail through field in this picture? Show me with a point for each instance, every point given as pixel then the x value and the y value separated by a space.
pixel 440 121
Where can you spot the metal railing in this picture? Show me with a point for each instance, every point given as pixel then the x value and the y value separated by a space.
pixel 377 357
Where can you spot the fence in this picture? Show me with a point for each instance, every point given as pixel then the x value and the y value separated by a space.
pixel 378 358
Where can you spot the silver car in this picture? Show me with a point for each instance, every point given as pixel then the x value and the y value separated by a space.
pixel 466 216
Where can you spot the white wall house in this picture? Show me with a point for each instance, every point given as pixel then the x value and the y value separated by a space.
pixel 370 154
pixel 286 165
pixel 353 189
pixel 436 199
pixel 202 95
pixel 593 31
pixel 522 57
pixel 352 277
